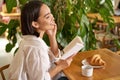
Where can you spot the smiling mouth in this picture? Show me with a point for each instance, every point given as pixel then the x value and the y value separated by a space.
pixel 53 23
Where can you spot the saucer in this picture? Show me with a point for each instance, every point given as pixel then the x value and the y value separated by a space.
pixel 84 62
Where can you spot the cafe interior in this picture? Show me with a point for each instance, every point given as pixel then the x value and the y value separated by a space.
pixel 99 31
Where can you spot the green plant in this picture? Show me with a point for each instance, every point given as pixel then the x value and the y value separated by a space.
pixel 13 27
pixel 71 18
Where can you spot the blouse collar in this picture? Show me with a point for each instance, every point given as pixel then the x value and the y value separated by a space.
pixel 31 37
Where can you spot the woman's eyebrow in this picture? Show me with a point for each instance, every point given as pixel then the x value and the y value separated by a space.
pixel 46 14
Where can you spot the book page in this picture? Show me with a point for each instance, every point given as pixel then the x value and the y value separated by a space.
pixel 73 47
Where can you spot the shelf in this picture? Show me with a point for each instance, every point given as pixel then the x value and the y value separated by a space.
pixel 10 14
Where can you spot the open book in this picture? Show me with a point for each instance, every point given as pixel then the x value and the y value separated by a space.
pixel 73 47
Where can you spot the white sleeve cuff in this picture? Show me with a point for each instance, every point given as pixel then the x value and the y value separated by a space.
pixel 47 76
pixel 54 58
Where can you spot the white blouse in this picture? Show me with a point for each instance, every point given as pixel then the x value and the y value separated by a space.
pixel 32 61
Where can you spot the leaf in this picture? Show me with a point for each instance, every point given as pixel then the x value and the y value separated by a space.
pixel 9 47
pixel 13 24
pixel 2 30
pixel 10 4
pixel 16 50
pixel 117 42
pixel 2 24
pixel 84 20
pixel 14 40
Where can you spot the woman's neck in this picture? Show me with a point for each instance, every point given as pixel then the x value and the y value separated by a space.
pixel 42 34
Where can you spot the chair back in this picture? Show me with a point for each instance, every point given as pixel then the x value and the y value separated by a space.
pixel 2 69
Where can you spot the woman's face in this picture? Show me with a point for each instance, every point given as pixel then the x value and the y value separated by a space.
pixel 46 19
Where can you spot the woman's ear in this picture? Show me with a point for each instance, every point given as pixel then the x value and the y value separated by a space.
pixel 35 24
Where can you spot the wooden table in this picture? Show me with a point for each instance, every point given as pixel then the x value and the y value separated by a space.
pixel 112 69
pixel 96 15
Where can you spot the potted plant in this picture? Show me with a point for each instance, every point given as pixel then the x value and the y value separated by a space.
pixel 71 18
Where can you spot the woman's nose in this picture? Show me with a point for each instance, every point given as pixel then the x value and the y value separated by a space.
pixel 52 17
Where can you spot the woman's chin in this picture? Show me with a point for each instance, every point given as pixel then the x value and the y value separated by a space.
pixel 52 27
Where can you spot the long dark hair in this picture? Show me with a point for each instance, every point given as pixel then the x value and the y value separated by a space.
pixel 30 12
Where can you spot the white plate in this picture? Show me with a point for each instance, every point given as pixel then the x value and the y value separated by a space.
pixel 84 62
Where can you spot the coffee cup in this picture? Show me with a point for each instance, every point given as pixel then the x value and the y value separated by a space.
pixel 87 70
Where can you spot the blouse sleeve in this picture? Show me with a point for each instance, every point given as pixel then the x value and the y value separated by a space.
pixel 52 57
pixel 35 65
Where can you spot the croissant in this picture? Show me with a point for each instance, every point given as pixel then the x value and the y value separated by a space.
pixel 96 60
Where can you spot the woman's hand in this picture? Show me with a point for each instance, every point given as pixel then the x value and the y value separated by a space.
pixel 52 32
pixel 65 63
pixel 60 65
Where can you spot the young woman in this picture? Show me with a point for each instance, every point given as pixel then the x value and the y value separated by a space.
pixel 34 60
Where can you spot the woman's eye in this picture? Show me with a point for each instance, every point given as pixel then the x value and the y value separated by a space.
pixel 47 17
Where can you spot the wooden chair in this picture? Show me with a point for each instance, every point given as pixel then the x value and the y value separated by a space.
pixel 106 40
pixel 2 69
